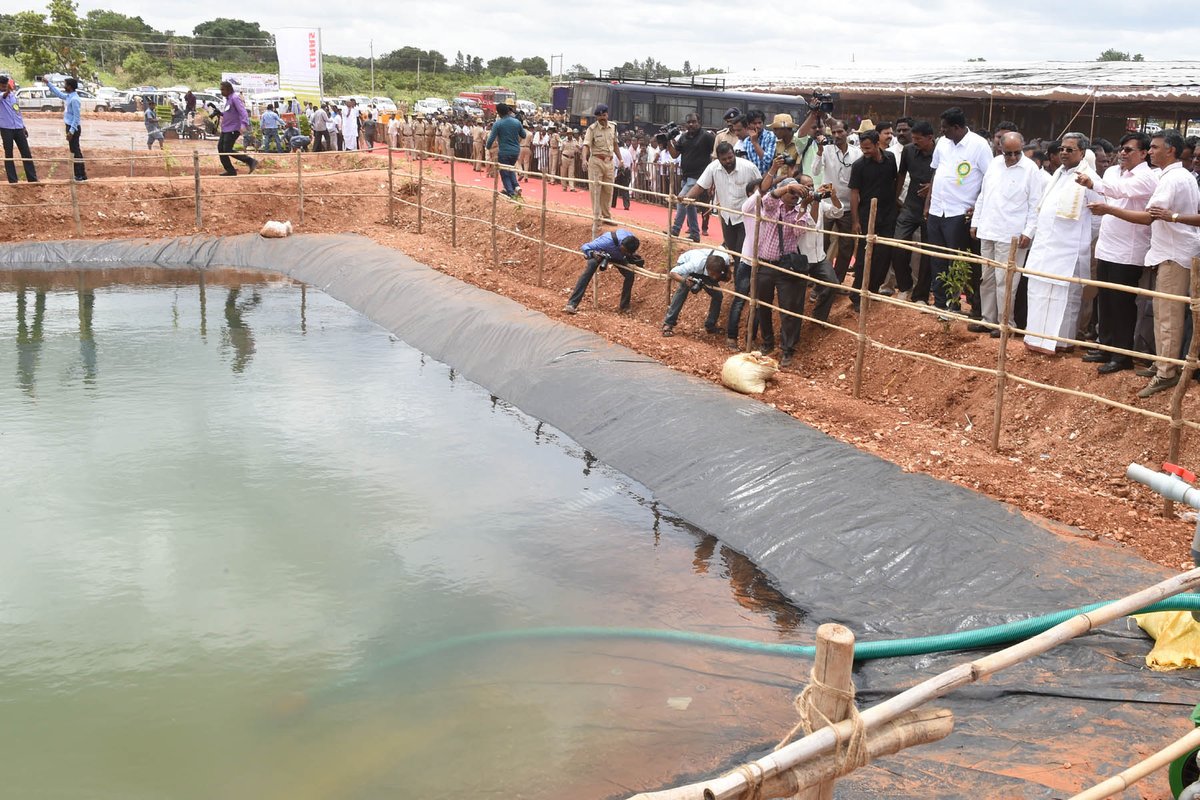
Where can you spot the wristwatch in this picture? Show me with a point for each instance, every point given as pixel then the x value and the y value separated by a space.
pixel 1175 217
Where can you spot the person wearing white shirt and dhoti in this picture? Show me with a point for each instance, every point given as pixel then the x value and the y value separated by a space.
pixel 1121 248
pixel 1006 210
pixel 350 125
pixel 1062 245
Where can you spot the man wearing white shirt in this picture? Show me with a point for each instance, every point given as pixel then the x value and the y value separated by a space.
pixel 624 175
pixel 1173 245
pixel 1121 248
pixel 1062 246
pixel 960 160
pixel 726 179
pixel 1006 208
pixel 836 159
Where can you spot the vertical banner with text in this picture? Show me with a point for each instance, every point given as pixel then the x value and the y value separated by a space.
pixel 299 52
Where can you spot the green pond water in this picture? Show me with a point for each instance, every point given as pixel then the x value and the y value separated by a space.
pixel 229 507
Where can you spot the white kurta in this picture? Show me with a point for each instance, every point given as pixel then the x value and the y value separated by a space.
pixel 1062 245
pixel 350 128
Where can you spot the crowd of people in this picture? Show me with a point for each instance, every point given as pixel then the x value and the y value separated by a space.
pixel 1126 214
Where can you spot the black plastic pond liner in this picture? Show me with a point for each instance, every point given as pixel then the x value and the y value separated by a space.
pixel 847 536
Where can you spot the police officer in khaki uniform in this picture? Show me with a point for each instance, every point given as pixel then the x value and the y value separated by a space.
pixel 478 137
pixel 408 135
pixel 552 148
pixel 525 159
pixel 569 161
pixel 599 147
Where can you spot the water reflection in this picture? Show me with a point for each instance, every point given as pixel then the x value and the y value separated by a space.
pixel 29 338
pixel 237 333
pixel 752 589
pixel 87 340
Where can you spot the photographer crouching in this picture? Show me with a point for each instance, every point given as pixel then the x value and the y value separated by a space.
pixel 617 247
pixel 693 147
pixel 697 270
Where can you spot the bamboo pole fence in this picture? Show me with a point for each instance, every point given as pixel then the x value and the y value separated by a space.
pixel 341 163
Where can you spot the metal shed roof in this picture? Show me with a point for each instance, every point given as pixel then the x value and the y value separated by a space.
pixel 1049 80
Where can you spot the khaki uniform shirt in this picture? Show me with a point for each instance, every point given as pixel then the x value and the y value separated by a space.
pixel 601 141
pixel 725 135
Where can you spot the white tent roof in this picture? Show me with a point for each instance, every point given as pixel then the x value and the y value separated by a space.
pixel 1052 80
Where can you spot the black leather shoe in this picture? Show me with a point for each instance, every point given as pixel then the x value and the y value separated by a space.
pixel 1096 357
pixel 975 327
pixel 1116 365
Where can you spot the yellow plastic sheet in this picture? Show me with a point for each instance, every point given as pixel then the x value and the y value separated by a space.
pixel 1176 640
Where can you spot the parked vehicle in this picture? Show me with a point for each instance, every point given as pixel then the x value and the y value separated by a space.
pixel 430 105
pixel 385 104
pixel 38 98
pixel 465 105
pixel 527 107
pixel 90 102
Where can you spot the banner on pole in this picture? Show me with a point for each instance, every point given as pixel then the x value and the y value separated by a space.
pixel 299 53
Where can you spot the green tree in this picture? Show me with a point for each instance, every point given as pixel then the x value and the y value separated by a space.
pixel 460 63
pixel 10 36
pixel 34 54
pixel 1116 55
pixel 476 66
pixel 66 37
pixel 140 67
pixel 535 65
pixel 109 36
pixel 501 65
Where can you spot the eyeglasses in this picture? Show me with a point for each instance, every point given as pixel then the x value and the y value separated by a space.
pixel 1070 150
pixel 1012 155
pixel 1128 149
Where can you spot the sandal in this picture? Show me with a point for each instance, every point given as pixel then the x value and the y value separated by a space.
pixel 668 330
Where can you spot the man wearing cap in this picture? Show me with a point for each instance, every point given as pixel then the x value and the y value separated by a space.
pixel 693 148
pixel 727 133
pixel 599 149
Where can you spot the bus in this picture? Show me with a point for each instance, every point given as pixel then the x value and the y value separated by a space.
pixel 649 106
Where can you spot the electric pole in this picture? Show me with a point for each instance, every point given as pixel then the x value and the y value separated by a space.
pixel 372 68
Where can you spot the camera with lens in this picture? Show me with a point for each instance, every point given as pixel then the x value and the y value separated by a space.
pixel 697 282
pixel 740 152
pixel 823 102
pixel 789 160
pixel 821 194
pixel 666 133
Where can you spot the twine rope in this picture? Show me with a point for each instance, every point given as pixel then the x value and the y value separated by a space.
pixel 850 752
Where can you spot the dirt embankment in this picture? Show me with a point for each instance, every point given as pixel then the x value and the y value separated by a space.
pixel 1061 457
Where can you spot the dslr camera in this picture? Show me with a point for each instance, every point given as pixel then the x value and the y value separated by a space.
pixel 822 102
pixel 789 160
pixel 666 133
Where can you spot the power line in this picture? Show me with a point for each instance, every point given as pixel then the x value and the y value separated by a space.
pixel 86 29
pixel 151 44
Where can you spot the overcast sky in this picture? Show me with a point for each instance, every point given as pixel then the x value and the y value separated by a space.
pixel 705 33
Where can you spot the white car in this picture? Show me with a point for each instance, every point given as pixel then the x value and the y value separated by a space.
pixel 38 98
pixel 526 107
pixel 430 105
pixel 384 103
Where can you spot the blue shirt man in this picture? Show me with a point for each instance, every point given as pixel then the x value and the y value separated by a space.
pixel 71 109
pixel 508 131
pixel 760 144
pixel 620 247
pixel 269 121
pixel 12 131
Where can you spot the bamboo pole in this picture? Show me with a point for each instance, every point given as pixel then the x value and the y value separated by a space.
pixel 495 202
pixel 1092 130
pixel 735 784
pixel 911 729
pixel 1185 379
pixel 671 200
pixel 196 181
pixel 421 197
pixel 752 306
pixel 74 186
pixel 1122 781
pixel 542 236
pixel 300 185
pixel 864 298
pixel 453 204
pixel 1005 331
pixel 392 187
pixel 832 681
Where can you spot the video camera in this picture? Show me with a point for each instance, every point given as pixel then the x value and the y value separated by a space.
pixel 822 102
pixel 634 260
pixel 666 133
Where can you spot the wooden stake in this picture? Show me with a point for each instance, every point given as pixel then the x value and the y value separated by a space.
pixel 734 784
pixel 1185 378
pixel 753 304
pixel 74 185
pixel 453 204
pixel 671 200
pixel 300 185
pixel 864 299
pixel 1010 272
pixel 196 180
pixel 908 730
pixel 542 235
pixel 832 665
pixel 392 187
pixel 421 197
pixel 495 203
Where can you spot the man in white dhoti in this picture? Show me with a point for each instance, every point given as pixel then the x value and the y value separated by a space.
pixel 1062 242
pixel 350 125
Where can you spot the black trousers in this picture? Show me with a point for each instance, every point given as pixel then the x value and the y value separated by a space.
pixel 321 141
pixel 951 232
pixel 791 290
pixel 621 191
pixel 73 143
pixel 907 225
pixel 585 278
pixel 1117 309
pixel 225 148
pixel 19 137
pixel 881 258
pixel 733 237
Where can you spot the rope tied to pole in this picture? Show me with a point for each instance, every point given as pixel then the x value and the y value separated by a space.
pixel 753 775
pixel 850 752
